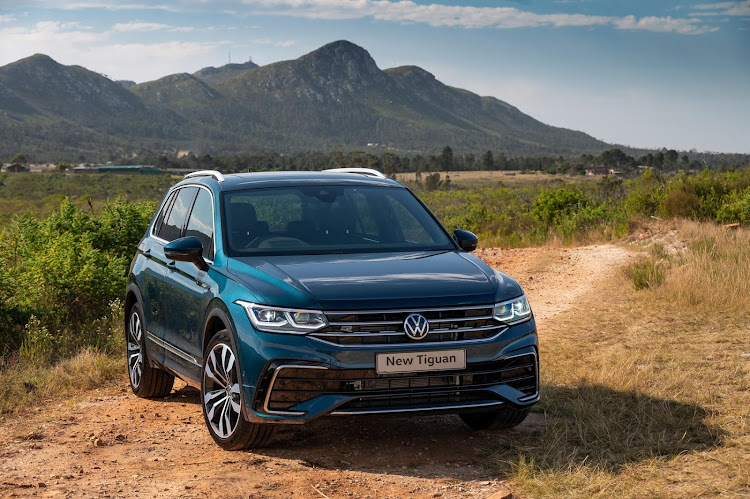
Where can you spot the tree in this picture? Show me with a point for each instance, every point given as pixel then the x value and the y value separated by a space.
pixel 446 159
pixel 19 158
pixel 488 161
pixel 432 181
pixel 670 158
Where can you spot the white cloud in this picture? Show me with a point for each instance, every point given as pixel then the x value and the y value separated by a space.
pixel 73 44
pixel 113 6
pixel 268 41
pixel 7 19
pixel 143 26
pixel 664 24
pixel 468 17
pixel 741 9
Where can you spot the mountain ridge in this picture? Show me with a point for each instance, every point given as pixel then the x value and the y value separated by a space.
pixel 334 96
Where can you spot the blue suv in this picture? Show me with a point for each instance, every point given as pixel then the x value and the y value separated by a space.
pixel 286 296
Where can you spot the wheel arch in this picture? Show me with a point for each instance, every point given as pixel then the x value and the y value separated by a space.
pixel 218 318
pixel 132 296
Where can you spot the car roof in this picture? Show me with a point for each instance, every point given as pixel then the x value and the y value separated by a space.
pixel 259 180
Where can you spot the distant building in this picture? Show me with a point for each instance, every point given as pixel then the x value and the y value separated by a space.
pixel 183 154
pixel 17 168
pixel 597 171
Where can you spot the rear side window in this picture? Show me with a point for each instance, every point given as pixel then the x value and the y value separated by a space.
pixel 163 213
pixel 175 221
pixel 201 222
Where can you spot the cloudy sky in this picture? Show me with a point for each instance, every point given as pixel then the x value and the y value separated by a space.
pixel 646 73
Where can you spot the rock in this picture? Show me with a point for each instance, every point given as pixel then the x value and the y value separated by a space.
pixel 501 494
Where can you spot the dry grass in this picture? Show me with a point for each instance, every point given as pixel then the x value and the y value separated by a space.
pixel 22 383
pixel 476 179
pixel 714 273
pixel 646 393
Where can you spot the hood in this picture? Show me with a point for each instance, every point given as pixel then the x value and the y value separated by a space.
pixel 371 281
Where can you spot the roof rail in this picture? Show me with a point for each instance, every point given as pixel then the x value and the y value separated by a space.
pixel 207 173
pixel 368 172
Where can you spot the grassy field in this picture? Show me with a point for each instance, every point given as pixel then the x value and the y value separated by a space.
pixel 479 179
pixel 42 193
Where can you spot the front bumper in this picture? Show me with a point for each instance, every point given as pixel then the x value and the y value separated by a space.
pixel 296 379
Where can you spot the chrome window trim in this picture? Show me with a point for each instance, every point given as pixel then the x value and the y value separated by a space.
pixel 171 348
pixel 273 382
pixel 213 217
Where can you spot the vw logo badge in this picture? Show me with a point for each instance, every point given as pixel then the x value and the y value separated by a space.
pixel 416 326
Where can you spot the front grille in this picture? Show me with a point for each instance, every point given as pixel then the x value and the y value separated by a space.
pixel 383 327
pixel 297 384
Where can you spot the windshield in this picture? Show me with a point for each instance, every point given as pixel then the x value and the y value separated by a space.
pixel 328 219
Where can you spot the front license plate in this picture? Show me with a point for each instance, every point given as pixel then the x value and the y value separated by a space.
pixel 411 362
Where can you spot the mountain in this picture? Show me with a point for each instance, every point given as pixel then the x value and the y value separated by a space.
pixel 216 75
pixel 333 96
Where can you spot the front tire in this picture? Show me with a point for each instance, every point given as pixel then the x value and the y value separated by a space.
pixel 145 381
pixel 221 396
pixel 501 419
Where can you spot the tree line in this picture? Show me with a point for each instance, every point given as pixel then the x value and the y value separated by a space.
pixel 391 163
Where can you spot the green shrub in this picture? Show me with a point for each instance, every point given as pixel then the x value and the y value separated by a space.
pixel 646 273
pixel 66 270
pixel 736 208
pixel 553 205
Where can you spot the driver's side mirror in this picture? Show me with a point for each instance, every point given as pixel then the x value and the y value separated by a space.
pixel 465 239
pixel 186 249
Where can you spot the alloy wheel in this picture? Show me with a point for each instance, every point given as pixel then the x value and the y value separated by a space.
pixel 221 390
pixel 135 351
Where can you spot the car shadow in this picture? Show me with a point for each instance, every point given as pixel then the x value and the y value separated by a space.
pixel 587 425
pixel 583 426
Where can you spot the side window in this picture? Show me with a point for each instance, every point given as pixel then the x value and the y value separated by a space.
pixel 413 231
pixel 201 223
pixel 163 213
pixel 172 226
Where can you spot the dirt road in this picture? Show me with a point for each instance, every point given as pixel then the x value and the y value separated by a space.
pixel 110 443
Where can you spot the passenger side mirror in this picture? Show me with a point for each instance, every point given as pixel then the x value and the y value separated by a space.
pixel 186 249
pixel 465 239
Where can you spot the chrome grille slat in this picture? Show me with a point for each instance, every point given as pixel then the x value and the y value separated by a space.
pixel 380 327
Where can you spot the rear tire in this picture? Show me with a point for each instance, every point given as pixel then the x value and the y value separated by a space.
pixel 221 399
pixel 501 419
pixel 145 381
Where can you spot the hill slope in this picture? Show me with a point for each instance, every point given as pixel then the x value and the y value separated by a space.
pixel 333 96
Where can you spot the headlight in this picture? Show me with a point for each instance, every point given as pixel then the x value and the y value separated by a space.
pixel 513 311
pixel 283 320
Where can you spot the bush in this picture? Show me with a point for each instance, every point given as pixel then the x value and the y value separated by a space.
pixel 646 273
pixel 64 272
pixel 553 205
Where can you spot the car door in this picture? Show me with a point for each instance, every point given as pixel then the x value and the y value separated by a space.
pixel 154 271
pixel 190 288
pixel 160 289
